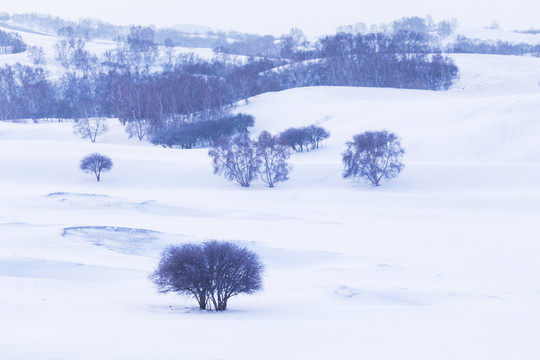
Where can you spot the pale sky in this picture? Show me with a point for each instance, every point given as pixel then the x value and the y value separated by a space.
pixel 278 16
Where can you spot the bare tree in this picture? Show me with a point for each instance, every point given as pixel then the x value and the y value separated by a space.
pixel 142 49
pixel 235 158
pixel 212 272
pixel 184 270
pixel 96 163
pixel 138 127
pixel 72 54
pixel 88 127
pixel 36 55
pixel 233 270
pixel 35 89
pixel 374 155
pixel 138 100
pixel 274 156
pixel 5 109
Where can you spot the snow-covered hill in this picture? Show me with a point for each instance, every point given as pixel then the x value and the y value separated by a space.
pixel 497 35
pixel 440 263
pixel 96 46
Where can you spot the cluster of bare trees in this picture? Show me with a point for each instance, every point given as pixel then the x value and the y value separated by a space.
pixel 25 92
pixel 149 92
pixel 188 133
pixel 403 59
pixel 372 155
pixel 174 106
pixel 148 95
pixel 300 139
pixel 241 159
pixel 185 102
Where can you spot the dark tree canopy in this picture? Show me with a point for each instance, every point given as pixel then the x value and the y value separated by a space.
pixel 373 155
pixel 211 272
pixel 296 138
pixel 96 163
pixel 304 138
pixel 189 134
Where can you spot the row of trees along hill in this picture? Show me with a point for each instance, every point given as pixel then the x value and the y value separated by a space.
pixel 372 155
pixel 190 36
pixel 241 159
pixel 150 89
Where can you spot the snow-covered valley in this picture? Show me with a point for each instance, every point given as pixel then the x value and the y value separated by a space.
pixel 439 263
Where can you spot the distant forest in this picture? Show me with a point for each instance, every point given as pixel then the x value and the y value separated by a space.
pixel 238 43
pixel 153 91
pixel 475 46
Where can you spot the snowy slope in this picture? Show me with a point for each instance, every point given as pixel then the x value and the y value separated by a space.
pixel 440 263
pixel 497 35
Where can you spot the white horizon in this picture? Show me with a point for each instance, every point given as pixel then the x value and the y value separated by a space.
pixel 313 18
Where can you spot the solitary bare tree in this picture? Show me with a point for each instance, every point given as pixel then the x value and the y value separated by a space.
pixel 374 155
pixel 235 158
pixel 89 127
pixel 96 163
pixel 274 155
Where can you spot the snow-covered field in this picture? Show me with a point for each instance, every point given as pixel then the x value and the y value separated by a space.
pixel 440 263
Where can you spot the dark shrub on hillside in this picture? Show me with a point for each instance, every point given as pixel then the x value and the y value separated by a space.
pixel 211 272
pixel 202 133
pixel 477 46
pixel 304 138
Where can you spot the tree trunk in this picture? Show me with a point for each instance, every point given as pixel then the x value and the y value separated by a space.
pixel 202 302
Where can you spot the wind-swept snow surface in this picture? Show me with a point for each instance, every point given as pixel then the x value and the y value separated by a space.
pixel 439 263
